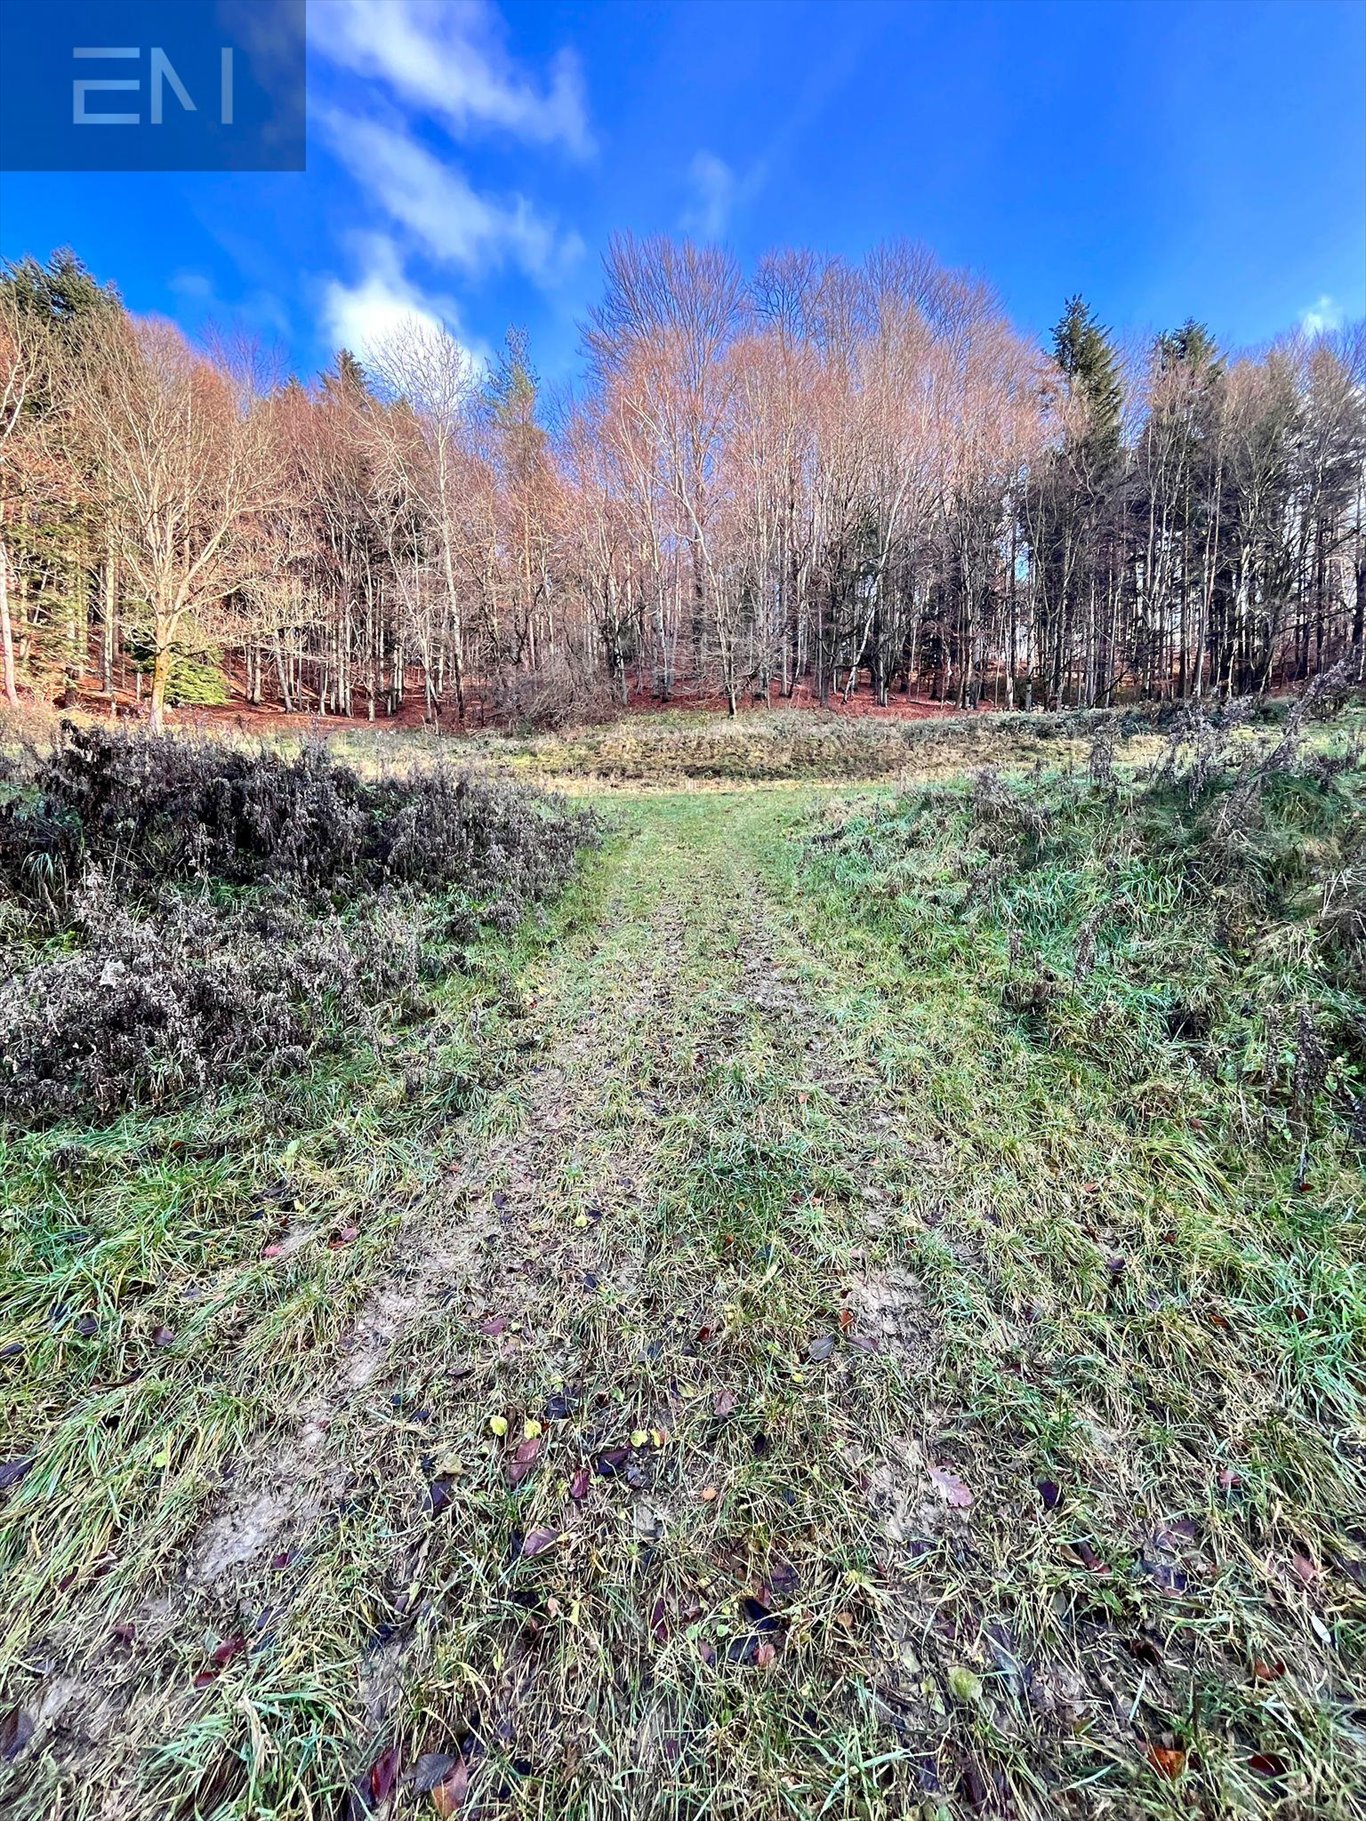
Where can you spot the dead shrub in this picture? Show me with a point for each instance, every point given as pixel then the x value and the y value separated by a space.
pixel 192 1000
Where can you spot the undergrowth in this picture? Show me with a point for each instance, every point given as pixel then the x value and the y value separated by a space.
pixel 185 914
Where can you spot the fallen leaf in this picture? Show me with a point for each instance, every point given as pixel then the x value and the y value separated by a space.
pixel 821 1348
pixel 639 1437
pixel 757 1612
pixel 1085 1555
pixel 432 1768
pixel 578 1486
pixel 766 1655
pixel 11 1472
pixel 439 1494
pixel 523 1459
pixel 611 1461
pixel 1267 1672
pixel 846 1319
pixel 16 1729
pixel 1268 1764
pixel 723 1403
pixel 1306 1570
pixel 383 1773
pixel 449 1794
pixel 498 1424
pixel 493 1327
pixel 964 1685
pixel 272 1252
pixel 87 1326
pixel 1051 1494
pixel 230 1647
pixel 536 1542
pixel 163 1337
pixel 707 1494
pixel 1167 1760
pixel 1228 1479
pixel 951 1488
pixel 659 1624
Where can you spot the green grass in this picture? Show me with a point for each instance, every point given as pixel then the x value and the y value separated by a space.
pixel 757 1167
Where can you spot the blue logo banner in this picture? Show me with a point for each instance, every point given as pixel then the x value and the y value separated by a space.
pixel 153 85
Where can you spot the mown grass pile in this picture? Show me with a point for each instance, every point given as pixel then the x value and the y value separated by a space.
pixel 179 915
pixel 775 746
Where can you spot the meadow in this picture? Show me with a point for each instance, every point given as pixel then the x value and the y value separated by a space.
pixel 776 1268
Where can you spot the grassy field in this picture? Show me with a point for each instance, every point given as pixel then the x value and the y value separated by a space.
pixel 854 1308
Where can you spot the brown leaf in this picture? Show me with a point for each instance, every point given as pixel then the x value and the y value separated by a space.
pixel 1306 1570
pixel 821 1348
pixel 846 1319
pixel 230 1647
pixel 1267 1672
pixel 951 1488
pixel 1167 1760
pixel 449 1794
pixel 724 1402
pixel 765 1656
pixel 1268 1764
pixel 383 1773
pixel 494 1326
pixel 659 1623
pixel 578 1486
pixel 536 1542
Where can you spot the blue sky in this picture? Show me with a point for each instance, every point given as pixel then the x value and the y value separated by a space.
pixel 469 161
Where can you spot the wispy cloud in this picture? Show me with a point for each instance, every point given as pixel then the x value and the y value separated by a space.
pixel 448 57
pixel 717 191
pixel 437 207
pixel 1323 316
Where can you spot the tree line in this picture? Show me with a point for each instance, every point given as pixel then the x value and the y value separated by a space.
pixel 808 481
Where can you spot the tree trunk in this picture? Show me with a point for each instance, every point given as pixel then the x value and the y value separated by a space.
pixel 6 632
pixel 161 676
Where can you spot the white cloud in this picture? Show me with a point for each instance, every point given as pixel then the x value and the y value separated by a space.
pixel 447 57
pixel 431 199
pixel 1323 316
pixel 382 303
pixel 717 191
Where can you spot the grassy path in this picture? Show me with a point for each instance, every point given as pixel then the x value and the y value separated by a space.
pixel 747 1418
